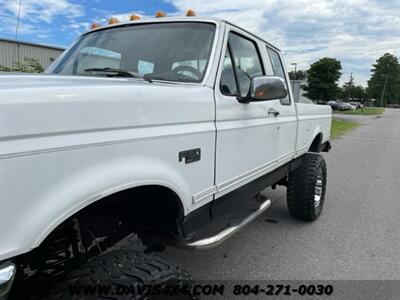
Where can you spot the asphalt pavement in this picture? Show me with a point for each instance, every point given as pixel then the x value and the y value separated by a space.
pixel 356 237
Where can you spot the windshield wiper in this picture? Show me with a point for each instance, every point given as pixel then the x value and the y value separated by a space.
pixel 119 72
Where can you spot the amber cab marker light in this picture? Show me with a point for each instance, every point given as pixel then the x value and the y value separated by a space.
pixel 160 14
pixel 94 26
pixel 190 13
pixel 112 21
pixel 135 17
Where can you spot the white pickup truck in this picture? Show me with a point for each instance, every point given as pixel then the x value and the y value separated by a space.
pixel 165 128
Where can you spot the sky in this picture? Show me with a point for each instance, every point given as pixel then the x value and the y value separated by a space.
pixel 356 32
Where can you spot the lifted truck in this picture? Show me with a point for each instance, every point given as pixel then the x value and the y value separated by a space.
pixel 164 128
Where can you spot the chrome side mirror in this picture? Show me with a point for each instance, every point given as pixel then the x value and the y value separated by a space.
pixel 263 88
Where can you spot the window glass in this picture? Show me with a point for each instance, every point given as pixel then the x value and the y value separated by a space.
pixel 199 64
pixel 228 82
pixel 247 61
pixel 93 57
pixel 145 67
pixel 190 68
pixel 167 51
pixel 278 71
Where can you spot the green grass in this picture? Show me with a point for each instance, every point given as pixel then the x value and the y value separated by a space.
pixel 340 127
pixel 363 111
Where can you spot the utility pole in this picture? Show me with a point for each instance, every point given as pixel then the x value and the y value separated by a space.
pixel 350 94
pixel 384 86
pixel 384 89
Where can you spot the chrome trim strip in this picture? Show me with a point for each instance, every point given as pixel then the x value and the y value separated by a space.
pixel 97 139
pixel 7 275
pixel 301 150
pixel 238 179
pixel 313 117
pixel 285 157
pixel 204 194
pixel 228 232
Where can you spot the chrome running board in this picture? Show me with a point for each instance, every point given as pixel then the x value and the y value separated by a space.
pixel 215 240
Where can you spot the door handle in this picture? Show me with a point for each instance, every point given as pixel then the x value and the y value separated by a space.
pixel 273 111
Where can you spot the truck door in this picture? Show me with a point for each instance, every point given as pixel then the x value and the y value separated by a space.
pixel 246 146
pixel 286 112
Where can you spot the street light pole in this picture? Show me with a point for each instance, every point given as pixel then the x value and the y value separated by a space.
pixel 295 71
pixel 295 68
pixel 16 35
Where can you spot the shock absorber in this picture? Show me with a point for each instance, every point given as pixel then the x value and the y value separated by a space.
pixel 51 259
pixel 61 250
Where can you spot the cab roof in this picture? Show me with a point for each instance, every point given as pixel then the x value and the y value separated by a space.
pixel 178 19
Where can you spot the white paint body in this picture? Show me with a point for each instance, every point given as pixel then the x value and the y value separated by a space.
pixel 67 141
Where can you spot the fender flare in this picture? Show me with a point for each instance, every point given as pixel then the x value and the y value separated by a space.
pixel 317 134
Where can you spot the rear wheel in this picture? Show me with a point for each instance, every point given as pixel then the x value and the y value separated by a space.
pixel 124 274
pixel 306 188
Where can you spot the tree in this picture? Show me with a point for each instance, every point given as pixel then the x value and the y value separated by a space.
pixel 384 84
pixel 348 89
pixel 322 79
pixel 352 92
pixel 340 94
pixel 298 75
pixel 359 92
pixel 30 65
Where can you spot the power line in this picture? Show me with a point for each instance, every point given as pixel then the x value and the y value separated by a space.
pixel 16 49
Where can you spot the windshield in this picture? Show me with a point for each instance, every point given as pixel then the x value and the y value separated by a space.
pixel 164 51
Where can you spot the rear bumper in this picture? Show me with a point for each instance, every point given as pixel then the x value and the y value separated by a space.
pixel 7 275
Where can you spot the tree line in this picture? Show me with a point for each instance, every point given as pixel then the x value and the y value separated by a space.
pixel 29 65
pixel 323 82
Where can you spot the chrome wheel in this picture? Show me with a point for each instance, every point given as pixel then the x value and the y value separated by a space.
pixel 318 188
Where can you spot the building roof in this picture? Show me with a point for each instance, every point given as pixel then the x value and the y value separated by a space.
pixel 32 44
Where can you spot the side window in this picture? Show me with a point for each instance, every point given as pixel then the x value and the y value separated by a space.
pixel 228 81
pixel 246 60
pixel 278 71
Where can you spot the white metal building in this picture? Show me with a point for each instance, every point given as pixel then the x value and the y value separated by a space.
pixel 298 91
pixel 16 51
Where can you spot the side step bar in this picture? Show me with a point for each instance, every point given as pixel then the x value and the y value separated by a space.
pixel 215 240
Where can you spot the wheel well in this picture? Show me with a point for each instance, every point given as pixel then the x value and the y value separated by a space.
pixel 98 227
pixel 316 144
pixel 151 206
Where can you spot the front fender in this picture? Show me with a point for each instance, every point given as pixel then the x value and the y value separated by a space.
pixel 41 215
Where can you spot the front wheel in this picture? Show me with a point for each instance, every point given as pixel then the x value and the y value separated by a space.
pixel 306 188
pixel 124 275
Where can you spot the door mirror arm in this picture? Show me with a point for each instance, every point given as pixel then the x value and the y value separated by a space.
pixel 244 100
